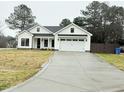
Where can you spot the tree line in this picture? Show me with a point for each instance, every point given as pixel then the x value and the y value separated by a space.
pixel 7 41
pixel 103 21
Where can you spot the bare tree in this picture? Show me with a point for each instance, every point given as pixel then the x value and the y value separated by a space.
pixel 22 18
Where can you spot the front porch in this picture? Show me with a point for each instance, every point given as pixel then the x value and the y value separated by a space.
pixel 43 43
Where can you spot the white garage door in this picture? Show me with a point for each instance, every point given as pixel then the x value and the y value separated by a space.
pixel 72 45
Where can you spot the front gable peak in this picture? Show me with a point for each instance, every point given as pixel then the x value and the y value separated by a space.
pixel 73 29
pixel 38 29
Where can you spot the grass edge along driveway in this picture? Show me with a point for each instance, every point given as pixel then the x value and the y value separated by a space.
pixel 114 59
pixel 17 66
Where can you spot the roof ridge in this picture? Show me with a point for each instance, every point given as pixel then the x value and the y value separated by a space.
pixel 58 26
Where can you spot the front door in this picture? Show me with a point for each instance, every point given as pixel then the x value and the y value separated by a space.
pixel 38 43
pixel 52 45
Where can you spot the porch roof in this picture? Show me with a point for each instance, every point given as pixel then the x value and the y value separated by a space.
pixel 43 34
pixel 71 35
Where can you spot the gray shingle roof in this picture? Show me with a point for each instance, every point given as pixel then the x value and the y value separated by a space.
pixel 53 28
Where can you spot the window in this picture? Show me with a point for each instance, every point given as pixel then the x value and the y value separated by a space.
pixel 38 29
pixel 68 39
pixel 25 42
pixel 81 39
pixel 46 43
pixel 85 39
pixel 72 30
pixel 62 39
pixel 74 39
pixel 22 42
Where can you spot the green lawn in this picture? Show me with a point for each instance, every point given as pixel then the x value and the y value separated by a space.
pixel 19 65
pixel 114 59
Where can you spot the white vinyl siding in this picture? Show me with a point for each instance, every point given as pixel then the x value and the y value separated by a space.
pixel 70 38
pixel 25 36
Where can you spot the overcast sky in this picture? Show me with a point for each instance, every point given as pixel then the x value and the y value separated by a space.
pixel 47 12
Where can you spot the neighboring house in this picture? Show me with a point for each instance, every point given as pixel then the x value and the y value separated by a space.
pixel 69 38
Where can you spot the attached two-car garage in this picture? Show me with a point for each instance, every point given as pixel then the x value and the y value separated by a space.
pixel 72 38
pixel 72 44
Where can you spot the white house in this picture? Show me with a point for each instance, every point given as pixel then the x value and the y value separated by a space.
pixel 69 38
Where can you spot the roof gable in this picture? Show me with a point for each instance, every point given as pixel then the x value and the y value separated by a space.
pixel 74 25
pixel 42 29
pixel 25 32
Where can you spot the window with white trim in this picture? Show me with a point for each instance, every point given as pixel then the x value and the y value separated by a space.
pixel 62 39
pixel 72 30
pixel 68 39
pixel 38 29
pixel 81 39
pixel 74 39
pixel 24 41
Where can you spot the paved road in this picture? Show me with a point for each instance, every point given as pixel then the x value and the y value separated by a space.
pixel 75 71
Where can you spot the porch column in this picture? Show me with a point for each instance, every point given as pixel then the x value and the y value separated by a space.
pixel 33 42
pixel 56 42
pixel 40 43
pixel 48 42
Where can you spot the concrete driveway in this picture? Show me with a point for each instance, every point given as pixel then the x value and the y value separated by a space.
pixel 74 71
